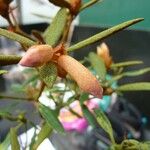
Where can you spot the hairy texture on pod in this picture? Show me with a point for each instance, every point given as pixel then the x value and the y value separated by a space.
pixel 103 52
pixel 84 78
pixel 37 55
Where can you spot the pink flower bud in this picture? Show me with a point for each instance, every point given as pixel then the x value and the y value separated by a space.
pixel 37 55
pixel 84 78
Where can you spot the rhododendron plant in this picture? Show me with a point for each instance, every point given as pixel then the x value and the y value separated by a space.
pixel 47 63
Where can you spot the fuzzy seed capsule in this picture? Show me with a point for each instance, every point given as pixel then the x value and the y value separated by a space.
pixel 84 78
pixel 37 55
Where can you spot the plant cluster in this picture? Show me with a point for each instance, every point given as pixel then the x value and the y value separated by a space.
pixel 48 56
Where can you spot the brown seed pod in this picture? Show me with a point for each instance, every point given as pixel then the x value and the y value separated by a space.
pixel 75 6
pixel 37 55
pixel 4 8
pixel 84 78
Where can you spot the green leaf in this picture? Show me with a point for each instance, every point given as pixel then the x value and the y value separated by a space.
pixel 104 123
pixel 126 63
pixel 130 74
pixel 103 34
pixel 44 133
pixel 9 60
pixel 89 3
pixel 51 118
pixel 56 28
pixel 98 65
pixel 6 143
pixel 88 115
pixel 14 140
pixel 84 97
pixel 3 71
pixel 139 86
pixel 48 73
pixel 16 37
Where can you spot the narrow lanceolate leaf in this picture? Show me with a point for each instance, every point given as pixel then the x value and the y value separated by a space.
pixel 56 28
pixel 130 74
pixel 6 143
pixel 9 59
pixel 126 63
pixel 3 71
pixel 37 55
pixel 88 4
pixel 98 65
pixel 84 78
pixel 14 140
pixel 48 73
pixel 104 34
pixel 139 86
pixel 84 97
pixel 104 123
pixel 16 37
pixel 44 133
pixel 88 115
pixel 51 118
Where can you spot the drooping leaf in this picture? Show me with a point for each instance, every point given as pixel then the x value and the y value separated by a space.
pixel 44 133
pixel 130 74
pixel 6 143
pixel 14 140
pixel 139 86
pixel 3 71
pixel 16 37
pixel 104 123
pixel 98 65
pixel 9 59
pixel 103 34
pixel 56 28
pixel 48 73
pixel 51 118
pixel 126 63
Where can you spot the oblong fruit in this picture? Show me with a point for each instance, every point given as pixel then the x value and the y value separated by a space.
pixel 37 55
pixel 84 78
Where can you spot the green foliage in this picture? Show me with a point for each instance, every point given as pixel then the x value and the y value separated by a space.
pixel 87 114
pixel 45 132
pixel 6 143
pixel 140 86
pixel 35 80
pixel 98 65
pixel 104 123
pixel 9 59
pixel 52 35
pixel 126 63
pixel 103 34
pixel 3 72
pixel 51 117
pixel 16 37
pixel 14 140
pixel 48 73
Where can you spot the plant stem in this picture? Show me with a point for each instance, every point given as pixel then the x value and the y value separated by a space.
pixel 15 98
